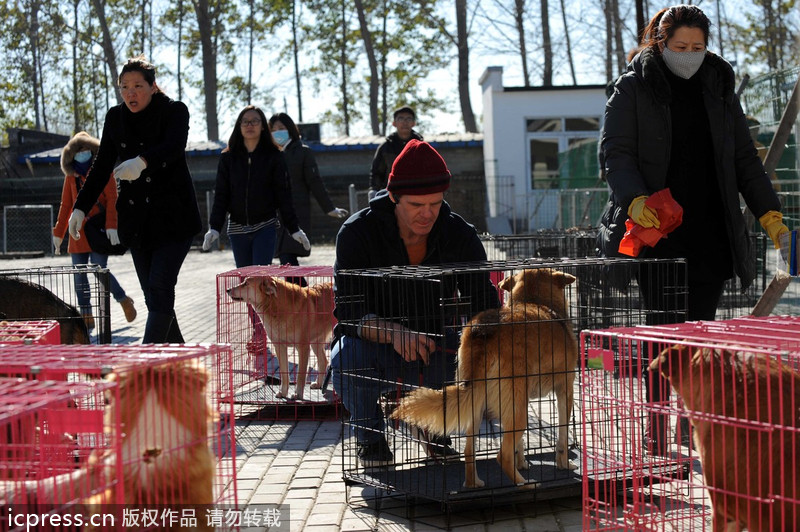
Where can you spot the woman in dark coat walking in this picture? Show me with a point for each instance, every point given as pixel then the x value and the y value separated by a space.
pixel 157 207
pixel 674 121
pixel 306 181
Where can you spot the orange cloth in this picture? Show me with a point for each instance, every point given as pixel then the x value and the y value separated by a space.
pixel 69 192
pixel 670 214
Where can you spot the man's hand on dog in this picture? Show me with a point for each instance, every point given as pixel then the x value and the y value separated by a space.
pixel 413 345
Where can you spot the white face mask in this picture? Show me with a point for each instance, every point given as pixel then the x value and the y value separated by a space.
pixel 83 156
pixel 683 64
pixel 281 136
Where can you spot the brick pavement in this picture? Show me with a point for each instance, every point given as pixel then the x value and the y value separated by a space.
pixel 299 464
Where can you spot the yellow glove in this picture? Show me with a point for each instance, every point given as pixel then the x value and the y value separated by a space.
pixel 772 222
pixel 642 214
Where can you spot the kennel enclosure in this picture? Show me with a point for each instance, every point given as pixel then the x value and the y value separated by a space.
pixel 162 392
pixel 60 282
pixel 256 372
pixel 630 484
pixel 433 299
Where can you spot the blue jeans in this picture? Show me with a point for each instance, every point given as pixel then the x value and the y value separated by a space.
pixel 257 248
pixel 82 289
pixel 157 269
pixel 363 370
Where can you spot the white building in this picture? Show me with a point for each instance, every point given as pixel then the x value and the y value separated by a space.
pixel 525 130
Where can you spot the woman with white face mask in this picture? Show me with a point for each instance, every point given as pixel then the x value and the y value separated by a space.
pixel 306 181
pixel 674 122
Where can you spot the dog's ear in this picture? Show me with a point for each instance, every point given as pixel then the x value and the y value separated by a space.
pixel 507 283
pixel 671 359
pixel 562 279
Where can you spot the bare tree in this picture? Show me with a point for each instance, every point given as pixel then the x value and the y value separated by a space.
pixel 519 22
pixel 75 108
pixel 567 42
pixel 462 44
pixel 547 47
pixel 209 60
pixel 369 49
pixel 296 53
pixel 108 45
pixel 343 62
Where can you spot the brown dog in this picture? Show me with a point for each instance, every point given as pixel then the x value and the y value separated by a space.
pixel 166 459
pixel 292 315
pixel 745 412
pixel 524 350
pixel 23 300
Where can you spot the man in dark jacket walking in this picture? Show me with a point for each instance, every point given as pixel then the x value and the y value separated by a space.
pixel 404 120
pixel 387 335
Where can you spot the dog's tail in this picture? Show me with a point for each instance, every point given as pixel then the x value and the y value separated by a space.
pixel 441 411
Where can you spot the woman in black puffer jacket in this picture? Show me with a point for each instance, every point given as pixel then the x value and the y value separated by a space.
pixel 674 121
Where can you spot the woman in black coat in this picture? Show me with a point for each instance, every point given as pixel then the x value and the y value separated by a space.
pixel 156 207
pixel 674 121
pixel 305 179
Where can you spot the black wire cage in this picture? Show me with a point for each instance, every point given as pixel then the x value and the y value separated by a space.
pixel 527 349
pixel 578 243
pixel 50 293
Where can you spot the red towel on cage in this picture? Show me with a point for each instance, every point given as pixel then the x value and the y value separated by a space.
pixel 670 214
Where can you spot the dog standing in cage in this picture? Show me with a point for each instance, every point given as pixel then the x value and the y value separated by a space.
pixel 744 408
pixel 293 316
pixel 523 350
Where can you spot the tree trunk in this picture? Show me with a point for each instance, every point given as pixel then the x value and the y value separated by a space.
pixel 620 50
pixel 251 42
pixel 33 40
pixel 343 61
pixel 76 125
pixel 609 40
pixel 296 53
pixel 201 9
pixel 519 18
pixel 373 67
pixel 108 47
pixel 569 46
pixel 547 46
pixel 463 67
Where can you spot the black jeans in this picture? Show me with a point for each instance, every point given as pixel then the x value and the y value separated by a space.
pixel 157 268
pixel 660 285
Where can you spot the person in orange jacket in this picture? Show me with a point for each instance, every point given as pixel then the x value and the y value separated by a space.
pixel 76 159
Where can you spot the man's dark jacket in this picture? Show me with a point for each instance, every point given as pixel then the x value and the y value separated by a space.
pixel 370 239
pixel 384 159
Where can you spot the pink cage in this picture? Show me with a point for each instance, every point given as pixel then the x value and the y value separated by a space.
pixel 46 332
pixel 279 321
pixel 176 412
pixel 692 426
pixel 60 454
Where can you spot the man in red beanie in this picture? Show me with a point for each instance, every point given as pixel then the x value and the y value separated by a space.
pixel 409 223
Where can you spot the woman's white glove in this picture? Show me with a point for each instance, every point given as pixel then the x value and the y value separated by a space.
pixel 75 223
pixel 338 213
pixel 301 237
pixel 113 236
pixel 57 244
pixel 211 235
pixel 130 170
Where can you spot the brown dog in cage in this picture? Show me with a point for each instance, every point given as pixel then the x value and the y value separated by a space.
pixel 23 300
pixel 167 463
pixel 744 408
pixel 525 349
pixel 293 316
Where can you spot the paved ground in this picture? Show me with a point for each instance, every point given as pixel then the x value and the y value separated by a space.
pixel 299 464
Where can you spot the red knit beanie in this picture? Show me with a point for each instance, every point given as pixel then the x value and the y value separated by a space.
pixel 418 170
